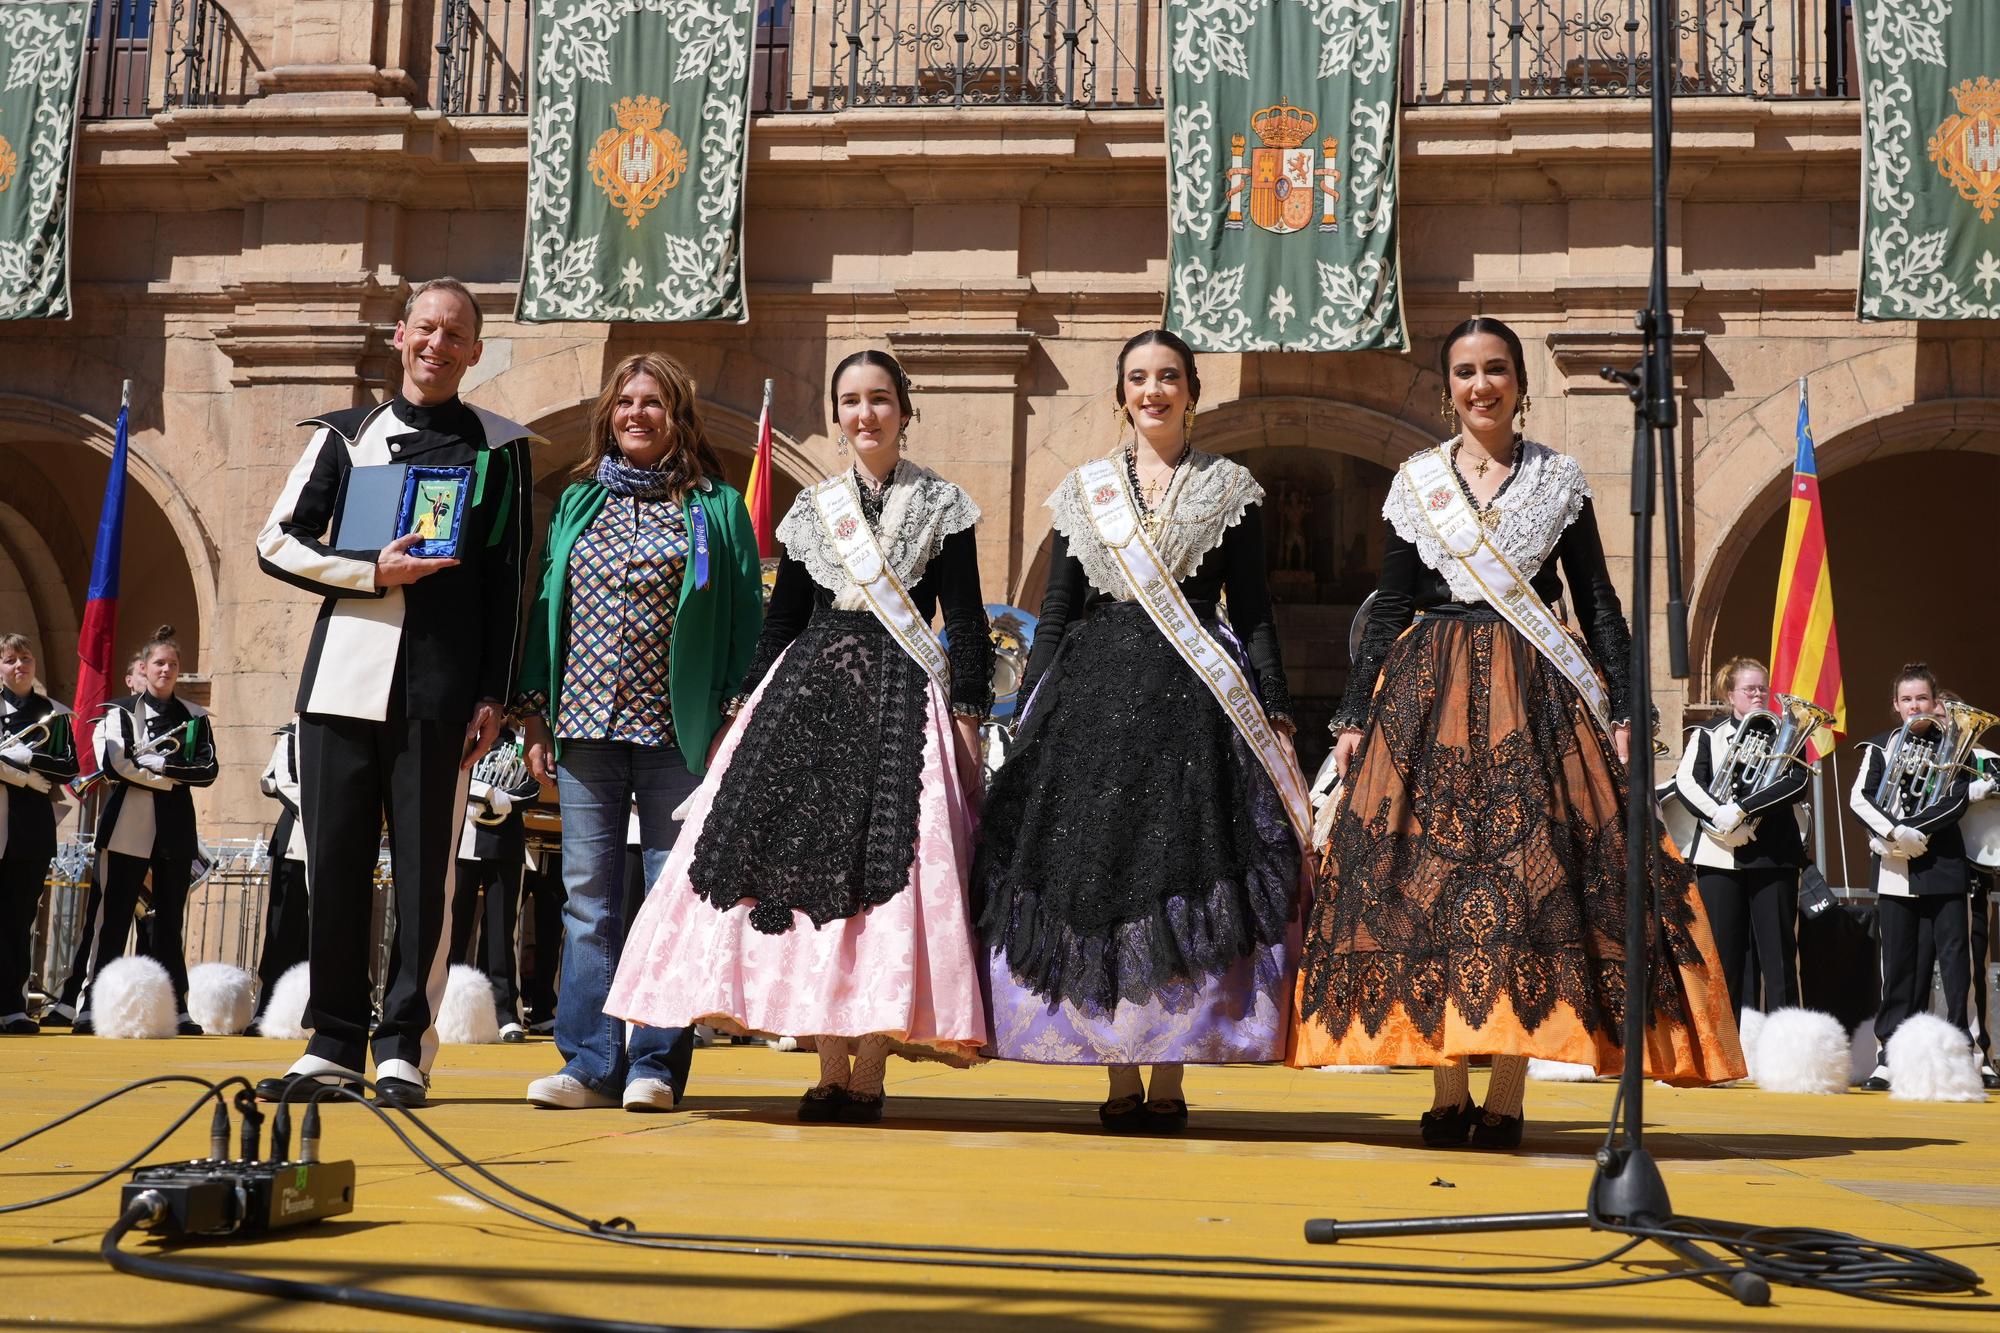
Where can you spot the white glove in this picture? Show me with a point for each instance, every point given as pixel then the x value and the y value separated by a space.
pixel 1727 819
pixel 1879 847
pixel 18 753
pixel 152 763
pixel 1980 789
pixel 1738 836
pixel 1908 841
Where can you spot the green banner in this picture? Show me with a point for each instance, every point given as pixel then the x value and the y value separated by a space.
pixel 1281 174
pixel 1930 159
pixel 41 64
pixel 639 118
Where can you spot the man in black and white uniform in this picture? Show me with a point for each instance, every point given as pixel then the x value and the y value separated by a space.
pixel 409 662
pixel 1922 878
pixel 492 857
pixel 286 927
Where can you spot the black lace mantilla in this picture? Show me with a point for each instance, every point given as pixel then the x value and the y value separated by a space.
pixel 1132 840
pixel 817 812
pixel 1502 887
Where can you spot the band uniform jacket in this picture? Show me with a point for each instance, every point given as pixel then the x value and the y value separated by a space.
pixel 1775 839
pixel 1943 868
pixel 452 633
pixel 152 813
pixel 494 829
pixel 29 809
pixel 280 782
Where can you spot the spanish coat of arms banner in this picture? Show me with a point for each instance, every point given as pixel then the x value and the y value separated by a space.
pixel 1281 174
pixel 638 123
pixel 41 67
pixel 1930 159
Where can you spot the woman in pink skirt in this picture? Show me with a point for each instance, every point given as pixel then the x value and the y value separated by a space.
pixel 819 885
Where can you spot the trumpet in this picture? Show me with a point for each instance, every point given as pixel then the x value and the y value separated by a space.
pixel 165 744
pixel 1927 753
pixel 35 733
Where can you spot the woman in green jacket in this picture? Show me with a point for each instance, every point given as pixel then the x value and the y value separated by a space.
pixel 649 606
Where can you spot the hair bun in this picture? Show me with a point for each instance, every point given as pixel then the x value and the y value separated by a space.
pixel 163 633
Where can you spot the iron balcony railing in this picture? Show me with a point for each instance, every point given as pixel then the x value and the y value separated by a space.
pixel 144 56
pixel 837 55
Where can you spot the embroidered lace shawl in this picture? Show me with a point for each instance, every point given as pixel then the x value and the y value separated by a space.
pixel 1208 496
pixel 920 511
pixel 1545 496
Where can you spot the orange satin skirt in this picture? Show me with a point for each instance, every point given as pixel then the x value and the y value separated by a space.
pixel 1471 898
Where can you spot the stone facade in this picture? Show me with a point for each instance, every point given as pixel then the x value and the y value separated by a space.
pixel 243 266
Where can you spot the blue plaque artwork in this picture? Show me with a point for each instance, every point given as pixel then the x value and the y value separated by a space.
pixel 434 504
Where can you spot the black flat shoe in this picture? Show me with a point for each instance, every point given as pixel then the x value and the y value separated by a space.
pixel 862 1108
pixel 20 1027
pixel 1123 1115
pixel 821 1105
pixel 83 1027
pixel 1493 1130
pixel 1446 1127
pixel 297 1088
pixel 187 1027
pixel 400 1093
pixel 1168 1115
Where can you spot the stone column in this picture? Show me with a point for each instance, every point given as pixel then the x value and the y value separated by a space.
pixel 334 52
pixel 967 385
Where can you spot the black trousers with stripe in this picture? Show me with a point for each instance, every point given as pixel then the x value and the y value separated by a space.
pixel 354 775
pixel 1751 913
pixel 124 878
pixel 21 883
pixel 1919 933
pixel 489 904
pixel 287 926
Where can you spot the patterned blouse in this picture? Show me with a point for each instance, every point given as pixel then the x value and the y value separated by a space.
pixel 624 589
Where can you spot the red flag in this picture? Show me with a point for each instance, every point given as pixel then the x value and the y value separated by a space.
pixel 94 644
pixel 757 495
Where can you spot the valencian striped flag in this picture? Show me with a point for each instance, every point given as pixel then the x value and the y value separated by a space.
pixel 1805 651
pixel 757 495
pixel 95 660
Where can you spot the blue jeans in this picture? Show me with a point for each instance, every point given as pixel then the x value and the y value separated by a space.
pixel 599 782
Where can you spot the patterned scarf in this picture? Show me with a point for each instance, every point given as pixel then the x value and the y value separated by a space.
pixel 619 477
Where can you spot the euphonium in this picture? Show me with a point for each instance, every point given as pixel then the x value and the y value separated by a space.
pixel 1920 762
pixel 505 767
pixel 1764 744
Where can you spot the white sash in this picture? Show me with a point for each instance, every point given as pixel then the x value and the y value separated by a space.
pixel 1102 486
pixel 840 510
pixel 1463 535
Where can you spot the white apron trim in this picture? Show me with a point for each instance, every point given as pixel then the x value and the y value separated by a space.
pixel 1459 530
pixel 1101 486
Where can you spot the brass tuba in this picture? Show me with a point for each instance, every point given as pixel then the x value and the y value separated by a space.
pixel 1921 761
pixel 1765 743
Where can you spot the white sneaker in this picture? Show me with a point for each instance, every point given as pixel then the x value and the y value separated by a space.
pixel 513 1032
pixel 650 1094
pixel 560 1092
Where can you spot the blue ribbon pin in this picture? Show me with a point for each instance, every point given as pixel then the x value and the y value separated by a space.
pixel 698 523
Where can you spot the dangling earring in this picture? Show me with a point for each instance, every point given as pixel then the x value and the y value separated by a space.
pixel 916 415
pixel 843 444
pixel 1521 411
pixel 1187 428
pixel 1448 410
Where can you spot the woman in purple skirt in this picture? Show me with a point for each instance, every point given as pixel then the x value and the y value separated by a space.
pixel 1138 873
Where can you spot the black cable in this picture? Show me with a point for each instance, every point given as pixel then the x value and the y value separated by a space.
pixel 213 1093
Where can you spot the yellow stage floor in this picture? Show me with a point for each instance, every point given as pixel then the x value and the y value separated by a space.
pixel 1002 1155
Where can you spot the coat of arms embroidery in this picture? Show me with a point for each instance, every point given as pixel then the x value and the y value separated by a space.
pixel 9 163
pixel 1284 180
pixel 637 163
pixel 1966 147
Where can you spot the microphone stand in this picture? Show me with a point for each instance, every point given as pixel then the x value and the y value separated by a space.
pixel 1627 1194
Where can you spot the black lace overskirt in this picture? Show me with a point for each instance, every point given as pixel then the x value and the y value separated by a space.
pixel 1132 840
pixel 817 812
pixel 1481 852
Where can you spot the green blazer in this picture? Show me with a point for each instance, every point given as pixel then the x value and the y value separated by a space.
pixel 715 629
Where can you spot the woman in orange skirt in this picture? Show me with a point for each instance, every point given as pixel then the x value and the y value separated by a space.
pixel 1471 898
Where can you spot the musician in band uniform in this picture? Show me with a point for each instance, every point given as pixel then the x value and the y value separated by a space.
pixel 286 911
pixel 37 755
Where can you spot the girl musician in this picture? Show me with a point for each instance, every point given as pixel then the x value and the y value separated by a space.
pixel 1138 863
pixel 37 755
pixel 1922 877
pixel 819 886
pixel 1747 853
pixel 154 747
pixel 1472 896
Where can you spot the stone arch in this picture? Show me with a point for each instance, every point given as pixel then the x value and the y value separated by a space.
pixel 1852 425
pixel 51 611
pixel 63 424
